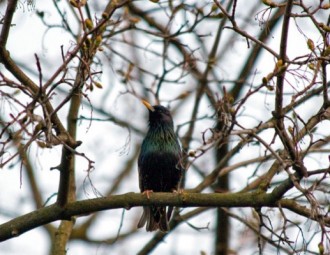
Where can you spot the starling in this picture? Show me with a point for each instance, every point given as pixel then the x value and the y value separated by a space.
pixel 159 163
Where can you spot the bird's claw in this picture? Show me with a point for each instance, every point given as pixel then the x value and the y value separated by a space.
pixel 147 193
pixel 178 191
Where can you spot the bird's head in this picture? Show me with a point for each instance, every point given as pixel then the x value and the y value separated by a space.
pixel 158 114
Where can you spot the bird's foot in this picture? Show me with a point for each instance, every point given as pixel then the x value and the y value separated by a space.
pixel 178 191
pixel 147 193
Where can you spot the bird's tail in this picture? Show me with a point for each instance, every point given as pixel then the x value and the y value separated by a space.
pixel 155 217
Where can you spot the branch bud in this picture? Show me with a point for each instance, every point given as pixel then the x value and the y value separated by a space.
pixel 98 85
pixel 321 248
pixel 269 3
pixel 78 3
pixel 105 15
pixel 264 81
pixel 192 153
pixel 325 6
pixel 324 27
pixel 98 40
pixel 74 3
pixel 311 66
pixel 310 44
pixel 326 52
pixel 89 24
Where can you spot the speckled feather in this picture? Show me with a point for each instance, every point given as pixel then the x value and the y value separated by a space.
pixel 159 163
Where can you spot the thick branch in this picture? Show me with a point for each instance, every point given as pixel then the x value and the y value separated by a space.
pixel 54 212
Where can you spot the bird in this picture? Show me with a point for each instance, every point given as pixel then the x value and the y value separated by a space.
pixel 160 166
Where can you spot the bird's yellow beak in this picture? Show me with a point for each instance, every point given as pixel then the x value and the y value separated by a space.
pixel 148 105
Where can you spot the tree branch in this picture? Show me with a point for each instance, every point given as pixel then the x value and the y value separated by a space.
pixel 278 113
pixel 11 7
pixel 54 212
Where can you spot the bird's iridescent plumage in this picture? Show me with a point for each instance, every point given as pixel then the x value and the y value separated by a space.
pixel 159 163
